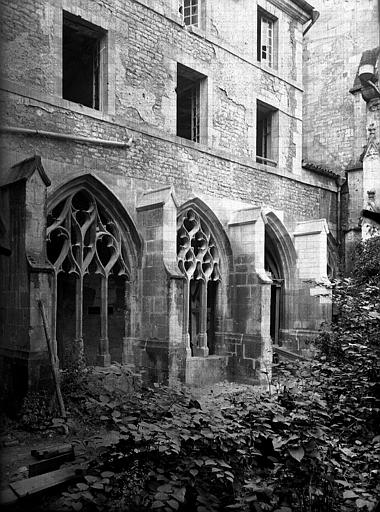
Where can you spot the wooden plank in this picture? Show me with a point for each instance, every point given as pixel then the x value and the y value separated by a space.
pixel 50 464
pixel 52 451
pixel 7 496
pixel 30 486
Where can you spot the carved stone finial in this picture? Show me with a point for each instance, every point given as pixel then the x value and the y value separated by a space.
pixel 372 130
pixel 371 195
pixel 373 147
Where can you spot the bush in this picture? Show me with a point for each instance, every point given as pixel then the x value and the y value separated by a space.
pixel 310 445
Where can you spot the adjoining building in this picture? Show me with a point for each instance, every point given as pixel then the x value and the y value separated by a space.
pixel 153 195
pixel 341 110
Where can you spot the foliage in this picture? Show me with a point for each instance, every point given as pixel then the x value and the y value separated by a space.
pixel 37 410
pixel 311 444
pixel 367 261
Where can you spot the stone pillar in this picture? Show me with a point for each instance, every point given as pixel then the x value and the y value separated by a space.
pixel 162 321
pixel 79 345
pixel 104 357
pixel 202 349
pixel 25 278
pixel 252 288
pixel 314 296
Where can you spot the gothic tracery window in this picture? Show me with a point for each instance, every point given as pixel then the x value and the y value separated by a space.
pixel 85 245
pixel 198 259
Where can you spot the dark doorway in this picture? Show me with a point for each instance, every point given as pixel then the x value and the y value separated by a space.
pixel 273 268
pixel 275 311
pixel 194 312
pixel 91 317
pixel 65 331
pixel 116 315
pixel 212 287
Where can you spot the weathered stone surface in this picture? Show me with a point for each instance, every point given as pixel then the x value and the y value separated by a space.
pixel 144 187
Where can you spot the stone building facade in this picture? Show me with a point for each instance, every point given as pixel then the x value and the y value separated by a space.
pixel 152 189
pixel 341 112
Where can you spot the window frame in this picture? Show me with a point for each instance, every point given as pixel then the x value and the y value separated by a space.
pixel 100 98
pixel 199 103
pixel 269 134
pixel 201 13
pixel 264 17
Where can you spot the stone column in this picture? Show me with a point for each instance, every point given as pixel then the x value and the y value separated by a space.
pixel 252 288
pixel 23 207
pixel 104 357
pixel 162 324
pixel 314 296
pixel 186 299
pixel 202 349
pixel 79 345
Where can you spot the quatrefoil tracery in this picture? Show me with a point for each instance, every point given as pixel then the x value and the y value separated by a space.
pixel 82 238
pixel 197 254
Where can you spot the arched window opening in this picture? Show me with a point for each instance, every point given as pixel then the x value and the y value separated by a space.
pixel 274 269
pixel 88 253
pixel 198 259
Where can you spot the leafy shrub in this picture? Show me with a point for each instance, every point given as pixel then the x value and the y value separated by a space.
pixel 312 444
pixel 37 410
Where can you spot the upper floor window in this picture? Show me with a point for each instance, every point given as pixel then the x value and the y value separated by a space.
pixel 83 47
pixel 265 38
pixel 266 134
pixel 191 99
pixel 190 12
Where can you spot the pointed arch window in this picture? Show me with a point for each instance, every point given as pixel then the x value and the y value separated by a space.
pixel 88 253
pixel 199 261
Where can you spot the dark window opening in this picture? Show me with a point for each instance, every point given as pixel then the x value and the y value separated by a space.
pixel 188 103
pixel 194 312
pixel 95 310
pixel 274 270
pixel 81 55
pixel 265 38
pixel 264 134
pixel 212 287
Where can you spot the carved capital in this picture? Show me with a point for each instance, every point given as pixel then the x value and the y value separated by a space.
pixel 374 105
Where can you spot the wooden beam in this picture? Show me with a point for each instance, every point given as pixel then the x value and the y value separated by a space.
pixel 52 451
pixel 50 464
pixel 40 483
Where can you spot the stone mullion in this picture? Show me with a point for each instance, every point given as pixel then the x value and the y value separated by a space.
pixel 79 300
pixel 54 317
pixel 104 357
pixel 277 313
pixel 186 315
pixel 79 315
pixel 203 321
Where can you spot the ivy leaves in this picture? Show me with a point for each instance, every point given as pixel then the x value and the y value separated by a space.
pixel 311 445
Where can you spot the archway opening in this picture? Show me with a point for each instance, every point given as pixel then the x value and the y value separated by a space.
pixel 274 269
pixel 198 259
pixel 195 308
pixel 212 294
pixel 88 252
pixel 65 328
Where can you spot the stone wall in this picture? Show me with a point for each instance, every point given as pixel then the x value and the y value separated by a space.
pixel 145 41
pixel 334 119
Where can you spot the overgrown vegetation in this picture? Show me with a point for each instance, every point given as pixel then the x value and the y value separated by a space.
pixel 311 444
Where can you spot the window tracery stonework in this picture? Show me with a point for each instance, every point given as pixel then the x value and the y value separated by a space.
pixel 197 254
pixel 83 239
pixel 198 259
